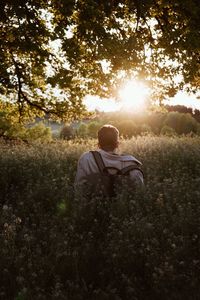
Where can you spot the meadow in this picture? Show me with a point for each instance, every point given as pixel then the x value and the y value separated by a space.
pixel 143 245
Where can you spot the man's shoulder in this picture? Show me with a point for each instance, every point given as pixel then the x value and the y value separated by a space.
pixel 130 158
pixel 119 157
pixel 85 155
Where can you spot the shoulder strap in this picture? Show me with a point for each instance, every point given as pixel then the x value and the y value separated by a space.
pixel 99 160
pixel 127 170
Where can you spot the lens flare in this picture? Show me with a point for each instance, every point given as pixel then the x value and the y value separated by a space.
pixel 133 95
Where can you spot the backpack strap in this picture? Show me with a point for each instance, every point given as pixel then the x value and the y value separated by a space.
pixel 116 171
pixel 99 161
pixel 127 170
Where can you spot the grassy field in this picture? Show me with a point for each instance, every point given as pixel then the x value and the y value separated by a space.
pixel 141 246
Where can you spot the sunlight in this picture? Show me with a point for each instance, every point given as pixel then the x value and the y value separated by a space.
pixel 133 95
pixel 95 102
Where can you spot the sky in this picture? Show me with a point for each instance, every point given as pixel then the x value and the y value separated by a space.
pixel 185 99
pixel 181 98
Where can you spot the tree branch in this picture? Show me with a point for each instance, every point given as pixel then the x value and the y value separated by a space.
pixel 19 87
pixel 41 108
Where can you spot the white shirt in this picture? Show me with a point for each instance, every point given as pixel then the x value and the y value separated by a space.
pixel 88 166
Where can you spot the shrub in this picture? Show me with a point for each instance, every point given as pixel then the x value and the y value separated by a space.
pixel 14 130
pixel 156 121
pixel 38 132
pixel 9 129
pixel 145 129
pixel 188 124
pixel 5 124
pixel 181 123
pixel 127 128
pixel 168 131
pixel 198 129
pixel 93 128
pixel 82 130
pixel 67 132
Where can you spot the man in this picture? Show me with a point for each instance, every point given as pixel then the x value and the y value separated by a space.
pixel 108 142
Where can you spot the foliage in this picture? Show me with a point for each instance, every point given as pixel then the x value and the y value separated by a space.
pixel 179 108
pixel 127 128
pixel 5 124
pixel 140 246
pixel 181 123
pixel 89 47
pixel 82 130
pixel 67 132
pixel 28 55
pixel 156 120
pixel 167 123
pixel 183 109
pixel 168 29
pixel 39 132
pixel 88 129
pixel 168 131
pixel 92 128
pixel 145 129
pixel 8 116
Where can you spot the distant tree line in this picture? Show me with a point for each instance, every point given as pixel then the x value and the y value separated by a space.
pixel 183 109
pixel 173 120
pixel 12 131
pixel 158 123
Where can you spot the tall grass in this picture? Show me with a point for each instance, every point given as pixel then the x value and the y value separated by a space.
pixel 143 245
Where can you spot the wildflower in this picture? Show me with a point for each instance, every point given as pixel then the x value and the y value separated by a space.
pixel 5 207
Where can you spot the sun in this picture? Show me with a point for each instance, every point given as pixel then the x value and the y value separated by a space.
pixel 133 95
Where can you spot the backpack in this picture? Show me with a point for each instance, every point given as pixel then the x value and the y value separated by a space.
pixel 109 179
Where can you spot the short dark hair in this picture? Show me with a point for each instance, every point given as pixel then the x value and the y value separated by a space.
pixel 108 137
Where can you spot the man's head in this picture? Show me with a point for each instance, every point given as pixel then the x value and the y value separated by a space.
pixel 108 137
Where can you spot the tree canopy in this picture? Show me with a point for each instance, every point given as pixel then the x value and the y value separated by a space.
pixel 89 46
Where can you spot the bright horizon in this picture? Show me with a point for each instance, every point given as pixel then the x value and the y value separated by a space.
pixel 109 105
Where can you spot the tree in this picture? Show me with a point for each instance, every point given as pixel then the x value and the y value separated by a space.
pixel 145 129
pixel 181 123
pixel 168 131
pixel 178 108
pixel 197 115
pixel 93 128
pixel 82 130
pixel 67 132
pixel 27 58
pixel 39 132
pixel 157 38
pixel 127 128
pixel 155 121
pixel 89 46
